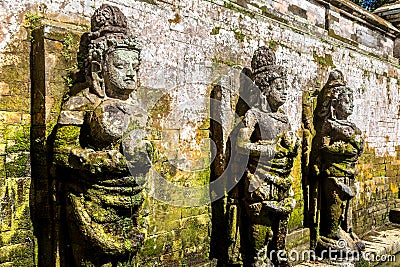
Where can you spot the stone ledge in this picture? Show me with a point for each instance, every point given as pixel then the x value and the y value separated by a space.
pixel 359 13
pixel 370 32
pixel 384 242
pixel 378 243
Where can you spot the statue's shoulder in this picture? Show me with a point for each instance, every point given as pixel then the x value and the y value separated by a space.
pixel 75 107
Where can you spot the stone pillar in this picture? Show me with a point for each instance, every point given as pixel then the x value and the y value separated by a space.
pixel 52 50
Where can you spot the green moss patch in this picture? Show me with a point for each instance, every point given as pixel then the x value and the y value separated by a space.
pixel 323 61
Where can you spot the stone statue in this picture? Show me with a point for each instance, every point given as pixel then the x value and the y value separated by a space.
pixel 102 195
pixel 338 145
pixel 272 147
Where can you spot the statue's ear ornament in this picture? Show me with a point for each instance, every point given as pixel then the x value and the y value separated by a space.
pixel 97 80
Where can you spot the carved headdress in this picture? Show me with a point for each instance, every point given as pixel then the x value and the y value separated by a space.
pixel 108 19
pixel 334 87
pixel 264 67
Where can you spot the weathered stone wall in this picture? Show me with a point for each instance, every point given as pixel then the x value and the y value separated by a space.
pixel 188 45
pixel 17 242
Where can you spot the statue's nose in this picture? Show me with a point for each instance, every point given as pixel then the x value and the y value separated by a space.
pixel 284 89
pixel 131 72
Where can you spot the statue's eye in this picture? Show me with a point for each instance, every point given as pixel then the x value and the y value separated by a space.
pixel 135 66
pixel 119 65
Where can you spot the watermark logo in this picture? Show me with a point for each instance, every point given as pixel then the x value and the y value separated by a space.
pixel 341 253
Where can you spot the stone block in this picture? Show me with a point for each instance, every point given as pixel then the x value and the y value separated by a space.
pixel 18 165
pixel 26 118
pixel 4 88
pixel 394 215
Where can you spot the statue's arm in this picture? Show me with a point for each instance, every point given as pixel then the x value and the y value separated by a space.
pixel 358 141
pixel 97 161
pixel 353 138
pixel 338 147
pixel 283 182
pixel 68 128
pixel 284 207
pixel 255 149
pixel 107 160
pixel 335 142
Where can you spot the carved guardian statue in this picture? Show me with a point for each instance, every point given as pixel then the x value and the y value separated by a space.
pixel 272 147
pixel 338 145
pixel 100 189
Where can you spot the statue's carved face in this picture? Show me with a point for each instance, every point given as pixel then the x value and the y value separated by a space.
pixel 120 73
pixel 343 106
pixel 276 93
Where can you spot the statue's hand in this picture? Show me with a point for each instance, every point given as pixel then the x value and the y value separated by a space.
pixel 139 156
pixel 284 207
pixel 289 203
pixel 342 148
pixel 358 142
pixel 289 139
pixel 283 182
pixel 288 144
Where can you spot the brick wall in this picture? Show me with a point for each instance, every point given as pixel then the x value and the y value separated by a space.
pixel 17 242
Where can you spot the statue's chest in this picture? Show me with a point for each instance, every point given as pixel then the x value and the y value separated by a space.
pixel 269 125
pixel 342 131
pixel 111 120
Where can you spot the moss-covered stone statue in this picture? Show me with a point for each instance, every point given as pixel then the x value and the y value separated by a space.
pixel 338 144
pixel 101 192
pixel 272 147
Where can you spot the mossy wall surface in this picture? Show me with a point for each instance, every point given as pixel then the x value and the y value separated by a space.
pixel 188 47
pixel 17 242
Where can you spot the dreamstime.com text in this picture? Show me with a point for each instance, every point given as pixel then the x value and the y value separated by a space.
pixel 341 254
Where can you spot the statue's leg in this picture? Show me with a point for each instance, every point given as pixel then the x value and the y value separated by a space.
pixel 348 219
pixel 360 245
pixel 259 234
pixel 348 216
pixel 277 246
pixel 331 208
pixel 234 222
